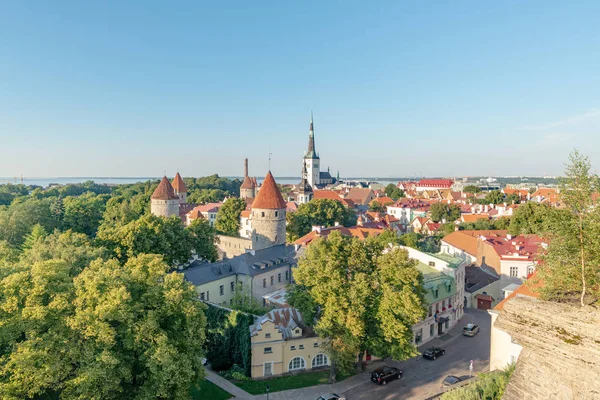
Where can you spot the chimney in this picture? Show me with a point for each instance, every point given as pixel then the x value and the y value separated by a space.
pixel 359 222
pixel 509 236
pixel 317 229
pixel 456 228
pixel 245 167
pixel 336 223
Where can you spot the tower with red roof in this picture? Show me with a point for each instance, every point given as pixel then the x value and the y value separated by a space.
pixel 268 215
pixel 164 202
pixel 180 188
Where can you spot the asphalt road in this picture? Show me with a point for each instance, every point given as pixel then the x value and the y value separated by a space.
pixel 422 378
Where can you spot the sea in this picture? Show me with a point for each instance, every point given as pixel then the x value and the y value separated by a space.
pixel 46 182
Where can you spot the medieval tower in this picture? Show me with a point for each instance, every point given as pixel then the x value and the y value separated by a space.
pixel 268 215
pixel 304 192
pixel 311 158
pixel 248 188
pixel 164 202
pixel 180 188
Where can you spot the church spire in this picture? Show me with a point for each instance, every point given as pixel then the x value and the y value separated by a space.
pixel 311 140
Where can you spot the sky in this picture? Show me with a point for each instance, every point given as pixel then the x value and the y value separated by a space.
pixel 397 88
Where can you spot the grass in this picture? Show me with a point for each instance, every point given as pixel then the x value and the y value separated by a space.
pixel 209 390
pixel 288 382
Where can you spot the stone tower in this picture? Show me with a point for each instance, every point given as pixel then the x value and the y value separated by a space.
pixel 304 191
pixel 164 202
pixel 180 189
pixel 268 216
pixel 248 188
pixel 311 158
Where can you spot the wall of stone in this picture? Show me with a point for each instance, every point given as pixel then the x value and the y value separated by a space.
pixel 164 208
pixel 230 246
pixel 268 228
pixel 561 350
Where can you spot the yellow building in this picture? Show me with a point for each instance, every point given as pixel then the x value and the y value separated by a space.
pixel 282 344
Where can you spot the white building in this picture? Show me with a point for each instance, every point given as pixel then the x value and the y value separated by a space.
pixel 311 159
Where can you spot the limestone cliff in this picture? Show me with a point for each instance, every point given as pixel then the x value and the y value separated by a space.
pixel 561 350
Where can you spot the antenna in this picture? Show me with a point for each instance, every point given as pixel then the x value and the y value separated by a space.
pixel 270 158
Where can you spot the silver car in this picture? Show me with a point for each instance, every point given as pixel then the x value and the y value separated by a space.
pixel 470 330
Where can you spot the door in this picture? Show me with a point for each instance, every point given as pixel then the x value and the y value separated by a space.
pixel 483 304
pixel 368 356
pixel 268 368
pixel 440 328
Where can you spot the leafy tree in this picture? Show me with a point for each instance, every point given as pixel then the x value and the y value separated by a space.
pixel 322 212
pixel 410 239
pixel 37 233
pixel 376 207
pixel 571 264
pixel 531 218
pixel 203 239
pixel 366 297
pixel 112 332
pixel 244 301
pixel 17 220
pixel 513 198
pixel 57 208
pixel 228 216
pixel 430 244
pixel 444 211
pixel 494 197
pixel 394 192
pixel 472 189
pixel 84 213
pixel 448 228
pixel 8 253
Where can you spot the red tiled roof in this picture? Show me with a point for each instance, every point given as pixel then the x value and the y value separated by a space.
pixel 383 200
pixel 291 206
pixel 248 183
pixel 208 207
pixel 443 183
pixel 269 196
pixel 332 195
pixel 467 240
pixel 164 191
pixel 194 214
pixel 178 184
pixel 359 195
pixel 245 214
pixel 522 247
pixel 474 217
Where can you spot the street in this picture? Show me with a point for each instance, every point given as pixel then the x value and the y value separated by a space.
pixel 421 377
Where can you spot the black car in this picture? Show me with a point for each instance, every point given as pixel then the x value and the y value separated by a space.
pixel 450 380
pixel 433 352
pixel 385 374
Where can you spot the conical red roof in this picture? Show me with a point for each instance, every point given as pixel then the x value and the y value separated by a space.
pixel 178 184
pixel 269 196
pixel 164 191
pixel 248 183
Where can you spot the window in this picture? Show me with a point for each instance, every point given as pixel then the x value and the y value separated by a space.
pixel 268 350
pixel 435 293
pixel 530 269
pixel 263 214
pixel 276 213
pixel 221 290
pixel 272 280
pixel 443 304
pixel 264 302
pixel 292 347
pixel 268 368
pixel 419 336
pixel 279 277
pixel 202 296
pixel 267 336
pixel 437 307
pixel 431 330
pixel 447 324
pixel 296 363
pixel 432 263
pixel 207 295
pixel 319 360
pixel 316 344
pixel 514 271
pixel 264 283
pixel 430 309
pixel 301 347
pixel 232 286
pixel 287 275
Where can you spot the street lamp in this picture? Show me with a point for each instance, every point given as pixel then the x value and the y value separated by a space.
pixel 268 388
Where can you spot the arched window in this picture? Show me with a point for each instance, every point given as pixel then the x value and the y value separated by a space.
pixel 319 360
pixel 297 363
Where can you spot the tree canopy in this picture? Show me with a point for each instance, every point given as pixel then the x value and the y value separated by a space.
pixel 228 216
pixel 394 192
pixel 444 211
pixel 323 212
pixel 364 296
pixel 472 189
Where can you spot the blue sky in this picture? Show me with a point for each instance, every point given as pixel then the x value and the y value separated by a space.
pixel 398 88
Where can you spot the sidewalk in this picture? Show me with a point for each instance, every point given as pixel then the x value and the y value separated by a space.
pixel 228 386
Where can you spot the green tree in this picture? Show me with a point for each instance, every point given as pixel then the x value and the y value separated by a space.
pixel 488 386
pixel 376 207
pixel 322 212
pixel 57 208
pixel 37 233
pixel 513 198
pixel 571 264
pixel 494 197
pixel 394 192
pixel 531 218
pixel 228 216
pixel 444 211
pixel 203 239
pixel 112 332
pixel 84 213
pixel 410 239
pixel 472 189
pixel 367 297
pixel 17 220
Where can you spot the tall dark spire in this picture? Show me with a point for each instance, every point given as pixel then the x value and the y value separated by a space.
pixel 311 153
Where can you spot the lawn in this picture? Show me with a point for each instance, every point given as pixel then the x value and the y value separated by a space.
pixel 209 390
pixel 288 382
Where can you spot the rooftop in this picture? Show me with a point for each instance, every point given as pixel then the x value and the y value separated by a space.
pixel 269 197
pixel 164 191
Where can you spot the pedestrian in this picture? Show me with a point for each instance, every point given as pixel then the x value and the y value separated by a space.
pixel 471 368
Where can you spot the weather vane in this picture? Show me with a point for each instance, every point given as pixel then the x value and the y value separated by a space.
pixel 269 159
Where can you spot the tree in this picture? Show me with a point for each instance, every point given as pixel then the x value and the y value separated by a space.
pixel 17 220
pixel 37 233
pixel 472 189
pixel 494 197
pixel 321 212
pixel 84 213
pixel 365 297
pixel 443 211
pixel 410 239
pixel 228 216
pixel 513 198
pixel 394 192
pixel 571 264
pixel 376 207
pixel 531 218
pixel 203 239
pixel 112 332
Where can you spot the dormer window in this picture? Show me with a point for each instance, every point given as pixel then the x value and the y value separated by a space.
pixel 292 347
pixel 297 331
pixel 267 336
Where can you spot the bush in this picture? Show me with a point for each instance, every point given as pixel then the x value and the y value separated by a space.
pixel 220 363
pixel 489 386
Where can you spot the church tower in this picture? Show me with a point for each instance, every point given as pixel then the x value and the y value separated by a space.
pixel 311 158
pixel 180 188
pixel 304 191
pixel 248 188
pixel 164 202
pixel 268 215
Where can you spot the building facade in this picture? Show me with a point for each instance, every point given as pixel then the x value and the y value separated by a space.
pixel 312 162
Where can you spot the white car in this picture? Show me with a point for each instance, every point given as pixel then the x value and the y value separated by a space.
pixel 470 330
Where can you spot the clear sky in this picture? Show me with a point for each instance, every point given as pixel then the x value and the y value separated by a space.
pixel 134 88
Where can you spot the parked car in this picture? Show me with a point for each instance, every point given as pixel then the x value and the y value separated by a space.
pixel 470 330
pixel 433 352
pixel 450 380
pixel 331 396
pixel 385 374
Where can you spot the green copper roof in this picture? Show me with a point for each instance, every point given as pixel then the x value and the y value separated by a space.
pixel 434 279
pixel 453 262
